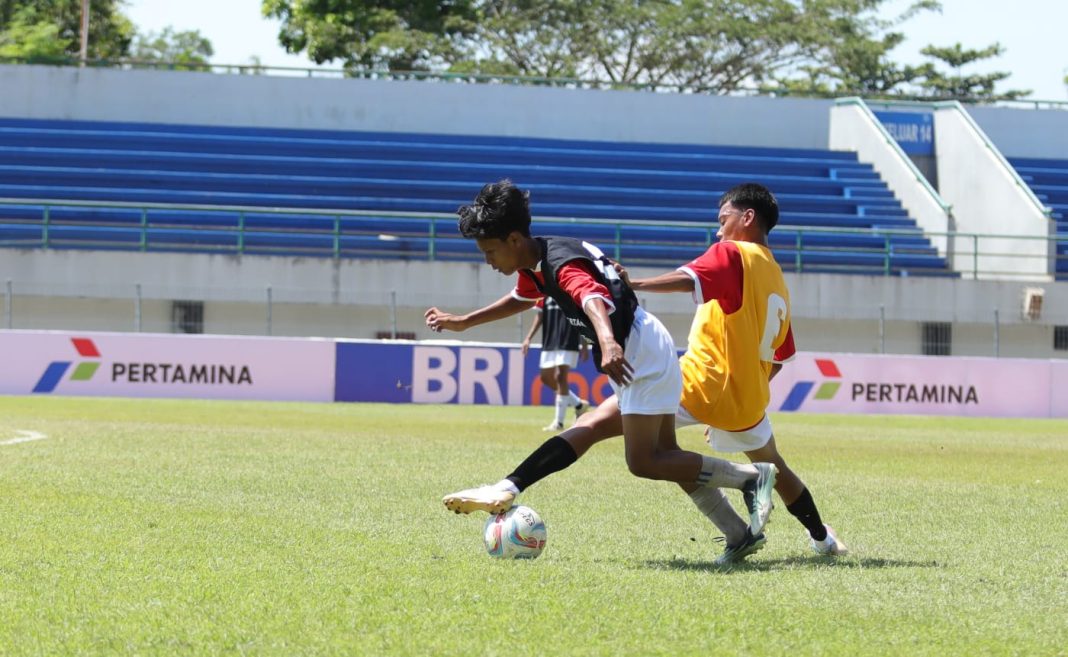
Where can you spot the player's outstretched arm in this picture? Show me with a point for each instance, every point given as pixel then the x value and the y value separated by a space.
pixel 439 320
pixel 672 281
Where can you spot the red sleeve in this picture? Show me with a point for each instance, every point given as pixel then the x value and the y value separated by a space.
pixel 525 289
pixel 786 350
pixel 578 280
pixel 718 274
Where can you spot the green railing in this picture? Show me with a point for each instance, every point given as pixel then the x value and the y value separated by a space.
pixel 484 78
pixel 37 223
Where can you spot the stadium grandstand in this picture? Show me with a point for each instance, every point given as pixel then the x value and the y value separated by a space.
pixel 299 178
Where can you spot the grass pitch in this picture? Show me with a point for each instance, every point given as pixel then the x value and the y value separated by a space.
pixel 209 528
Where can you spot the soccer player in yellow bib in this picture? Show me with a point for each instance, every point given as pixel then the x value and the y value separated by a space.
pixel 738 341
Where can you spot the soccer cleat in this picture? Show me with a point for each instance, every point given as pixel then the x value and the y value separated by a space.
pixel 553 426
pixel 582 407
pixel 830 546
pixel 483 498
pixel 737 553
pixel 757 495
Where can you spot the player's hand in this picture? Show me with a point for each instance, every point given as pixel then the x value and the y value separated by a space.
pixel 615 365
pixel 622 271
pixel 526 346
pixel 584 352
pixel 439 320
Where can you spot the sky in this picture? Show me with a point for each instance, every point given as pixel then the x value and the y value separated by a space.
pixel 1031 31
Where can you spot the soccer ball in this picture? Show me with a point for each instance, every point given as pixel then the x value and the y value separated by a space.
pixel 517 533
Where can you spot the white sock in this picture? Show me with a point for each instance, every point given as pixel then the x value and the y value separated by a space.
pixel 561 408
pixel 713 503
pixel 576 401
pixel 720 473
pixel 506 484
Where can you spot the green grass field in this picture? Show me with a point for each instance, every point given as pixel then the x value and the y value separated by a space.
pixel 203 528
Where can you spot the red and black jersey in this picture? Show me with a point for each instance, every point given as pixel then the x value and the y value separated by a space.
pixel 571 272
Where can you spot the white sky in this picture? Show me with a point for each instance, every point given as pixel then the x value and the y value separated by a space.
pixel 1032 31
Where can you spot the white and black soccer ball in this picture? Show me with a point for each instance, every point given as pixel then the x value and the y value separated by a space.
pixel 518 533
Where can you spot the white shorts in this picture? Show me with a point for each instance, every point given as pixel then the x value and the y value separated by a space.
pixel 559 357
pixel 657 381
pixel 729 441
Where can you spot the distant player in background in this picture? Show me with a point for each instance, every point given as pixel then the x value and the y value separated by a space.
pixel 561 351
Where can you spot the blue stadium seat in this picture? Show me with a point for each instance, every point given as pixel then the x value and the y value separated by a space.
pixel 428 173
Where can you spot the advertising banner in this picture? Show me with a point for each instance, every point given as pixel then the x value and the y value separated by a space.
pixel 452 372
pixel 917 385
pixel 161 365
pixel 1058 388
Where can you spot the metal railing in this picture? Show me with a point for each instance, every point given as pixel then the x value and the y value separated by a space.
pixel 235 230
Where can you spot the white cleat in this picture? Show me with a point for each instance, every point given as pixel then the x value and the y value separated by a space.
pixel 484 498
pixel 553 426
pixel 830 546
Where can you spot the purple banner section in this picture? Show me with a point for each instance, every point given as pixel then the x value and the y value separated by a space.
pixel 922 385
pixel 96 364
pixel 452 372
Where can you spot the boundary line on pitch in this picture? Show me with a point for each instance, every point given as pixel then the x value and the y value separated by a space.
pixel 25 436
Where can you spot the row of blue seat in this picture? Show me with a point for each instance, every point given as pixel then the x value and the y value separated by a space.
pixel 415 173
pixel 1048 179
pixel 430 138
pixel 458 153
pixel 474 174
pixel 862 209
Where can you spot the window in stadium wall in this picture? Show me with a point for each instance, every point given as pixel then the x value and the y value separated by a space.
pixel 937 338
pixel 187 317
pixel 1060 338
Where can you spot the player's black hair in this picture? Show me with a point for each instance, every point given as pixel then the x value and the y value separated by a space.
pixel 755 197
pixel 499 209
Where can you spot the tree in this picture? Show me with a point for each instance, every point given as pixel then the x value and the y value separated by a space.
pixel 24 23
pixel 397 34
pixel 189 49
pixel 25 37
pixel 968 88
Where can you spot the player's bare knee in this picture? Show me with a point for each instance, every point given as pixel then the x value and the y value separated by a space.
pixel 642 466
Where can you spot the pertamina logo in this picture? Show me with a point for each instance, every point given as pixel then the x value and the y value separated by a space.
pixel 137 372
pixel 828 389
pixel 920 393
pixel 85 370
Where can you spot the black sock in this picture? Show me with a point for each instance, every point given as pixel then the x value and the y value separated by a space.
pixel 554 455
pixel 804 509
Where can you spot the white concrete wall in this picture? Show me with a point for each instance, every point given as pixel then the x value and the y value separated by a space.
pixel 320 297
pixel 988 198
pixel 854 128
pixel 395 106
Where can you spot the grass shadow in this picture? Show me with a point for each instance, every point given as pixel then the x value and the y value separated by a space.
pixel 759 565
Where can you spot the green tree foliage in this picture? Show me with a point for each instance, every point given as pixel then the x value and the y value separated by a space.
pixel 188 49
pixel 833 46
pixel 27 25
pixel 973 87
pixel 399 35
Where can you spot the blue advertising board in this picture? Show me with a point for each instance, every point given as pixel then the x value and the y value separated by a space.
pixel 452 373
pixel 913 131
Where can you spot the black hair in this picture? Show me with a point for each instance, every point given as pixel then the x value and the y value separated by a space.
pixel 755 197
pixel 499 209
